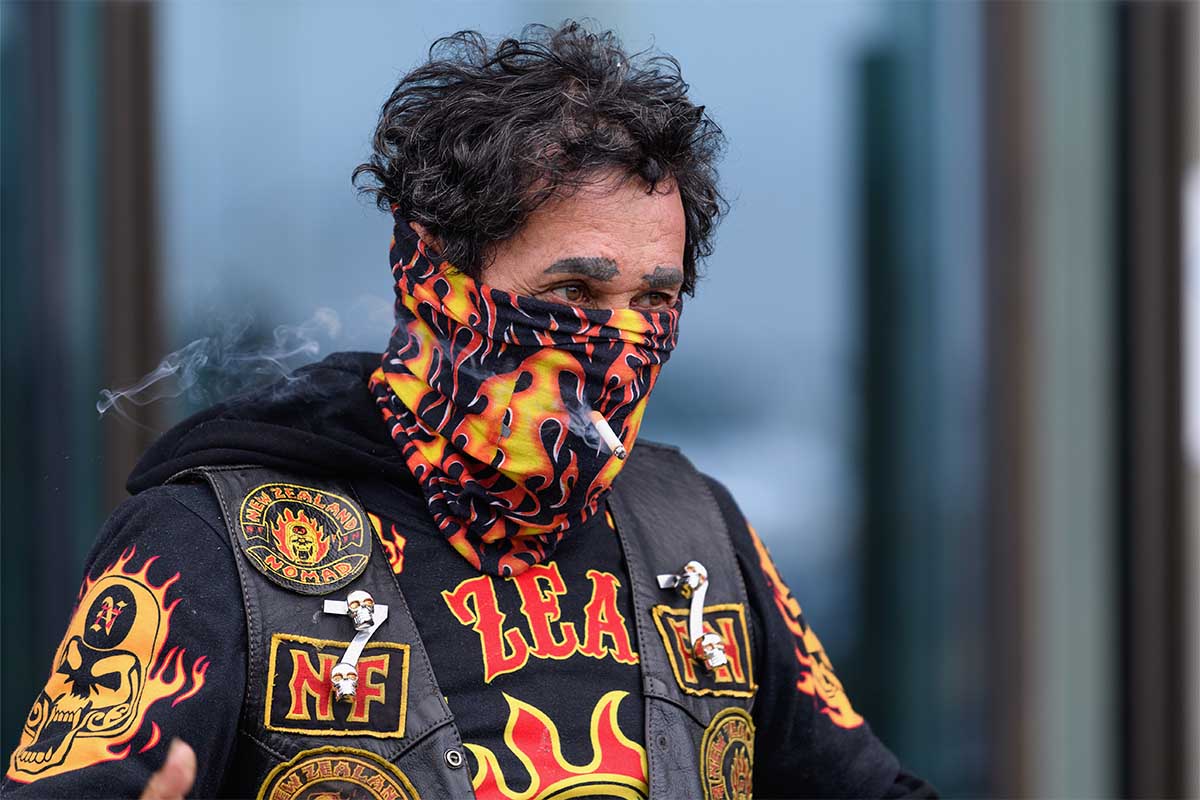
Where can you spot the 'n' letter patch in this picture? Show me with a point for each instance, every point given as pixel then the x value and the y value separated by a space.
pixel 299 696
pixel 728 620
pixel 304 539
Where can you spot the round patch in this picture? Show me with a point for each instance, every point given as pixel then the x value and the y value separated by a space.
pixel 336 772
pixel 727 756
pixel 304 539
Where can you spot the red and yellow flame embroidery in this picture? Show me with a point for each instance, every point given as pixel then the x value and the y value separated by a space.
pixel 300 538
pixel 617 768
pixel 817 678
pixel 488 396
pixel 112 666
pixel 393 543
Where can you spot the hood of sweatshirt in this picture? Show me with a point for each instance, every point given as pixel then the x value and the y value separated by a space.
pixel 319 420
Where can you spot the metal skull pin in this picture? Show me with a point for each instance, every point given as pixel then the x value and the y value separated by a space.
pixel 345 682
pixel 360 607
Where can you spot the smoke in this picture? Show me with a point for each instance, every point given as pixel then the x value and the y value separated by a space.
pixel 236 359
pixel 579 422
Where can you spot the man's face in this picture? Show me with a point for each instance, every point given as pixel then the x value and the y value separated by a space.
pixel 608 245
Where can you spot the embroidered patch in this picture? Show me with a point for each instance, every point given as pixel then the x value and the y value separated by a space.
pixel 617 767
pixel 299 697
pixel 107 673
pixel 304 539
pixel 393 543
pixel 727 756
pixel 327 773
pixel 735 679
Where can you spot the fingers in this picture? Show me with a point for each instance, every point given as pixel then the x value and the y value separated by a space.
pixel 177 775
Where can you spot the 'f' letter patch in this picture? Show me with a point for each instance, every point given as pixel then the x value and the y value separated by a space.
pixel 299 699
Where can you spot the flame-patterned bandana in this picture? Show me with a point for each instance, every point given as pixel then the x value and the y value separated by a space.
pixel 489 396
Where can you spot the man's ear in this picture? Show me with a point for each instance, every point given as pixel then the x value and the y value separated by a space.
pixel 428 238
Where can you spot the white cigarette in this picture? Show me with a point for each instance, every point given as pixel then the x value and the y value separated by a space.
pixel 606 433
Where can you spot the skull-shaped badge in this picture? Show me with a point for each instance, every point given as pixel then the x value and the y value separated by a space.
pixel 360 606
pixel 709 649
pixel 345 682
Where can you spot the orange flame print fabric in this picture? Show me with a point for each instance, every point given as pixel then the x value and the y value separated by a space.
pixel 488 395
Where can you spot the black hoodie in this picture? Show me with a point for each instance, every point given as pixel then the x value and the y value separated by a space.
pixel 170 540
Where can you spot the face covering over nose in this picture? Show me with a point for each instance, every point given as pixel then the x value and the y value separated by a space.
pixel 489 396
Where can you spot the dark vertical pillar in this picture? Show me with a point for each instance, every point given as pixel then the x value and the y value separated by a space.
pixel 1009 268
pixel 129 211
pixel 1150 122
pixel 78 299
pixel 882 317
pixel 30 58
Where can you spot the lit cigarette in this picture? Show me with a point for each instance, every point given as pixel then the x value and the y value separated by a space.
pixel 606 433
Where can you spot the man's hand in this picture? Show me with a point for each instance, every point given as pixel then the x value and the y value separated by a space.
pixel 177 775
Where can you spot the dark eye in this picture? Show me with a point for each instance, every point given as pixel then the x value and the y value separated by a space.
pixel 571 293
pixel 653 300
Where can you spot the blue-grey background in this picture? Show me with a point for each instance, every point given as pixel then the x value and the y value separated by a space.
pixel 841 366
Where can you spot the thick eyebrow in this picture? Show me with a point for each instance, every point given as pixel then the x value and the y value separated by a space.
pixel 601 269
pixel 663 278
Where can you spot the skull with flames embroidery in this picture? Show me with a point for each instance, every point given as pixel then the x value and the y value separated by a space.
pixel 98 675
pixel 300 538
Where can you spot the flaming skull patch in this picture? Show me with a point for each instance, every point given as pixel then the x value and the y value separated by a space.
pixel 107 673
pixel 304 539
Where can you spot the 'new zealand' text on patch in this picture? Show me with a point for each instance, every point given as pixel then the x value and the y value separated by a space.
pixel 304 539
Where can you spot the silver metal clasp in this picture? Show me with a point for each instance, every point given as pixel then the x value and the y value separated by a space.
pixel 692 584
pixel 366 616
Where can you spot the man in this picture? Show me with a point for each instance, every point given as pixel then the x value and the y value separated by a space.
pixel 452 570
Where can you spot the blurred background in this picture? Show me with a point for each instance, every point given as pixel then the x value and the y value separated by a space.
pixel 954 312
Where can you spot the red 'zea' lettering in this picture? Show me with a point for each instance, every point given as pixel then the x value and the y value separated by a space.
pixel 473 602
pixel 603 619
pixel 311 681
pixel 540 586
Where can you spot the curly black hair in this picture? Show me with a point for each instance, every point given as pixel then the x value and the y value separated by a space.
pixel 474 140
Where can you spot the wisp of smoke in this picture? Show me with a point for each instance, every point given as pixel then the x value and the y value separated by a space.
pixel 580 423
pixel 226 363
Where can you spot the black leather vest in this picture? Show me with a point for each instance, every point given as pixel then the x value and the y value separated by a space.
pixel 400 741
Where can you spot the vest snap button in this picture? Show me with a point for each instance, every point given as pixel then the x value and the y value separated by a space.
pixel 454 758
